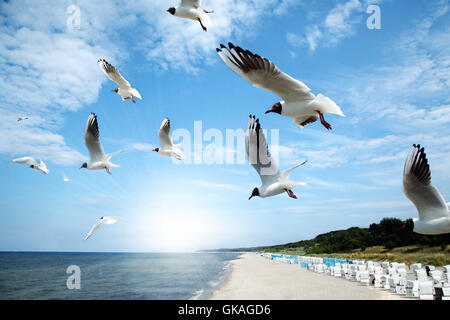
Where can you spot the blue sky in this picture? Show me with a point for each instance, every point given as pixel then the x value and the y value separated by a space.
pixel 391 83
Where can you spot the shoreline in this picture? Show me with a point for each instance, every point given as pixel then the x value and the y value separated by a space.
pixel 253 277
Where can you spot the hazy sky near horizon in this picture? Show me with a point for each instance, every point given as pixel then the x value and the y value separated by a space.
pixel 392 84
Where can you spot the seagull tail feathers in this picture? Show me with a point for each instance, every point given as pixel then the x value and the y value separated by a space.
pixel 326 105
pixel 136 93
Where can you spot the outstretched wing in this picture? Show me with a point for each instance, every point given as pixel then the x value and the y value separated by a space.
pixel 26 160
pixel 418 188
pixel 258 154
pixel 191 3
pixel 164 134
pixel 113 74
pixel 95 227
pixel 262 73
pixel 92 139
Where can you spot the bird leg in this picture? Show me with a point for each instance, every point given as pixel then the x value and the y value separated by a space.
pixel 208 11
pixel 322 120
pixel 132 99
pixel 204 28
pixel 290 193
pixel 107 170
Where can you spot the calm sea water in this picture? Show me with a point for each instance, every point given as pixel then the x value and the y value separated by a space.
pixel 33 275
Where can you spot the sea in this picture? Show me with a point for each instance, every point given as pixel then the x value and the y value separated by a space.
pixel 111 276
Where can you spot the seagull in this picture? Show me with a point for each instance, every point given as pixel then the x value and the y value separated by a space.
pixel 22 118
pixel 168 149
pixel 191 9
pixel 65 178
pixel 102 221
pixel 98 160
pixel 274 181
pixel 125 90
pixel 434 216
pixel 33 164
pixel 298 102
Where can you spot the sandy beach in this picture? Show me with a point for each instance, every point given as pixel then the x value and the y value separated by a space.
pixel 254 277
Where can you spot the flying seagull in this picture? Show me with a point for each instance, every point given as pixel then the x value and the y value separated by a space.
pixel 167 148
pixel 33 164
pixel 274 181
pixel 22 118
pixel 434 216
pixel 98 160
pixel 192 9
pixel 102 221
pixel 65 179
pixel 298 102
pixel 125 91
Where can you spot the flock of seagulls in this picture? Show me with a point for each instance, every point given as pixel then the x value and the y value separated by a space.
pixel 298 103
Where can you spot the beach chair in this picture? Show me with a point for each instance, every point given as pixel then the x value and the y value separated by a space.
pixel 385 281
pixel 370 266
pixel 393 282
pixel 447 270
pixel 402 273
pixel 446 291
pixel 400 288
pixel 416 266
pixel 394 265
pixel 391 271
pixel 364 277
pixel 437 276
pixel 375 277
pixel 337 272
pixel 421 275
pixel 425 290
pixel 402 266
pixel 412 288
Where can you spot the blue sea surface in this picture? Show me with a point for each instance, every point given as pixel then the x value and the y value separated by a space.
pixel 152 276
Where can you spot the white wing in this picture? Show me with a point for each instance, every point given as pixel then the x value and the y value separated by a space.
pixel 191 3
pixel 258 152
pixel 110 220
pixel 26 160
pixel 262 73
pixel 113 74
pixel 92 139
pixel 418 188
pixel 95 227
pixel 164 134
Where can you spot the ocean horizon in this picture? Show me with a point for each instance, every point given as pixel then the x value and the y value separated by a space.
pixel 42 275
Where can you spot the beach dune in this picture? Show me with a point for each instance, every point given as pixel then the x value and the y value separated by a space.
pixel 253 277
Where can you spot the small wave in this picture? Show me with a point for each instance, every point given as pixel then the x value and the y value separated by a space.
pixel 213 284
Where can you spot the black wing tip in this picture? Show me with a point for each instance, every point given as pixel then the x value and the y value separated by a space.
pixel 218 50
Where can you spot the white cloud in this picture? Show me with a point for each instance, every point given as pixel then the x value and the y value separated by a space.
pixel 338 24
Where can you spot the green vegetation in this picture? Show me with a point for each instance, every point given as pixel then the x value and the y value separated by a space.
pixel 392 239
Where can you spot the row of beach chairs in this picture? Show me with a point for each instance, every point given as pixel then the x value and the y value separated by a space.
pixel 415 281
